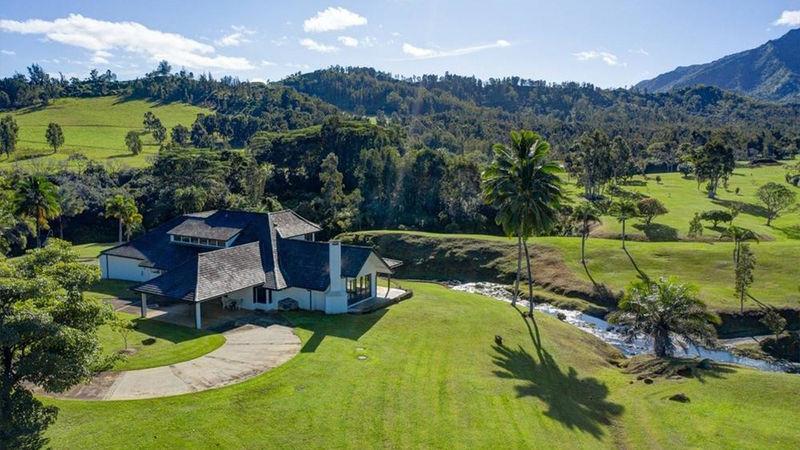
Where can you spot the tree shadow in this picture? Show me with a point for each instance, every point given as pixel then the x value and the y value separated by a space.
pixel 657 232
pixel 347 326
pixel 578 403
pixel 791 232
pixel 747 208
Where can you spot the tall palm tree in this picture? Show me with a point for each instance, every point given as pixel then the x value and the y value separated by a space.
pixel 582 215
pixel 623 210
pixel 37 198
pixel 124 209
pixel 663 308
pixel 738 235
pixel 523 184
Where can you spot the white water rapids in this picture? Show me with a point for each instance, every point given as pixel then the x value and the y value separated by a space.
pixel 610 334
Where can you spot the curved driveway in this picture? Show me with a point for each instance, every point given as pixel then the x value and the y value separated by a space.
pixel 248 351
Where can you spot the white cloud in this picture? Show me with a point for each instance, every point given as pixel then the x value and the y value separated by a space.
pixel 236 38
pixel 318 47
pixel 640 51
pixel 333 19
pixel 608 58
pixel 348 41
pixel 101 57
pixel 427 53
pixel 99 35
pixel 8 52
pixel 789 19
pixel 265 63
pixel 280 42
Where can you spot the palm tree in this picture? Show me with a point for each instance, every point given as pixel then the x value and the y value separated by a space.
pixel 623 210
pixel 37 198
pixel 738 235
pixel 663 309
pixel 124 209
pixel 582 215
pixel 524 186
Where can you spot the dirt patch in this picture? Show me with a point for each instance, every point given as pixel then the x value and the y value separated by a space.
pixel 473 260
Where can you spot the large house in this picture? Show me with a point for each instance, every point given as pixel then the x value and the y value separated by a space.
pixel 247 260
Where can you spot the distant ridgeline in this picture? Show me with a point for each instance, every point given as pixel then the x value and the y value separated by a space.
pixel 455 113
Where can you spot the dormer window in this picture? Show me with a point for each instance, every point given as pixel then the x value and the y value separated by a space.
pixel 199 242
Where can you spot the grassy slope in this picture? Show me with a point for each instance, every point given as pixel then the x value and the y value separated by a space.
pixel 95 127
pixel 708 265
pixel 433 378
pixel 683 200
pixel 173 343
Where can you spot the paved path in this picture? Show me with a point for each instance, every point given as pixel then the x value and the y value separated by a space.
pixel 249 350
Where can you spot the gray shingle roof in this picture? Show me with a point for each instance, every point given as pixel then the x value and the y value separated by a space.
pixel 201 228
pixel 290 224
pixel 230 269
pixel 260 254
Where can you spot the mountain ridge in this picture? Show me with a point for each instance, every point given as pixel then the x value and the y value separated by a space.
pixel 770 71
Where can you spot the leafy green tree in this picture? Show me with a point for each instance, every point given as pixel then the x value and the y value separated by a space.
pixel 37 198
pixel 160 133
pixel 180 135
pixel 48 337
pixel 624 210
pixel 744 268
pixel 189 199
pixel 54 136
pixel 662 309
pixel 8 134
pixel 200 137
pixel 715 216
pixel 523 184
pixel 70 202
pixel 133 142
pixel 713 162
pixel 773 320
pixel 695 227
pixel 123 208
pixel 378 175
pixel 150 121
pixel 590 160
pixel 649 208
pixel 776 199
pixel 339 210
pixel 123 327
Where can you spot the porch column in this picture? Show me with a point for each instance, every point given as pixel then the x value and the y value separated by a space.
pixel 144 305
pixel 373 284
pixel 198 321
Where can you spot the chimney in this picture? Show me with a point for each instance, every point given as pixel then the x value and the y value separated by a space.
pixel 335 266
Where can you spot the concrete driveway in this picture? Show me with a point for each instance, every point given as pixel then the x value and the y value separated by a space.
pixel 249 350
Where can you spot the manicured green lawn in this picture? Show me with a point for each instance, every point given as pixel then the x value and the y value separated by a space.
pixel 157 343
pixel 707 265
pixel 95 127
pixel 683 199
pixel 434 377
pixel 89 252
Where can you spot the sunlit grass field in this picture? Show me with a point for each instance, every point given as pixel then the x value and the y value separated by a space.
pixel 95 127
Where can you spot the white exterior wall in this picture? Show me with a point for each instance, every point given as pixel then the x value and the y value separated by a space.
pixel 119 268
pixel 245 295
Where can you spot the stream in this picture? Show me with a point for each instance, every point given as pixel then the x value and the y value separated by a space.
pixel 610 334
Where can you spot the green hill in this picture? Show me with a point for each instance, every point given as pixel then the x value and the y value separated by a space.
pixel 434 378
pixel 95 127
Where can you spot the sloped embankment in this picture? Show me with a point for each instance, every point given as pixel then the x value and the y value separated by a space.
pixel 466 260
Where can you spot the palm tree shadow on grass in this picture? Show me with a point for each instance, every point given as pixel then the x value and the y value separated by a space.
pixel 578 403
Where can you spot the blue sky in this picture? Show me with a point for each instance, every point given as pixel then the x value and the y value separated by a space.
pixel 609 43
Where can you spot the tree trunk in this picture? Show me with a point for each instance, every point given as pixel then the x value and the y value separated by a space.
pixel 530 278
pixel 661 342
pixel 519 269
pixel 61 228
pixel 741 302
pixel 38 235
pixel 623 234
pixel 119 231
pixel 583 247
